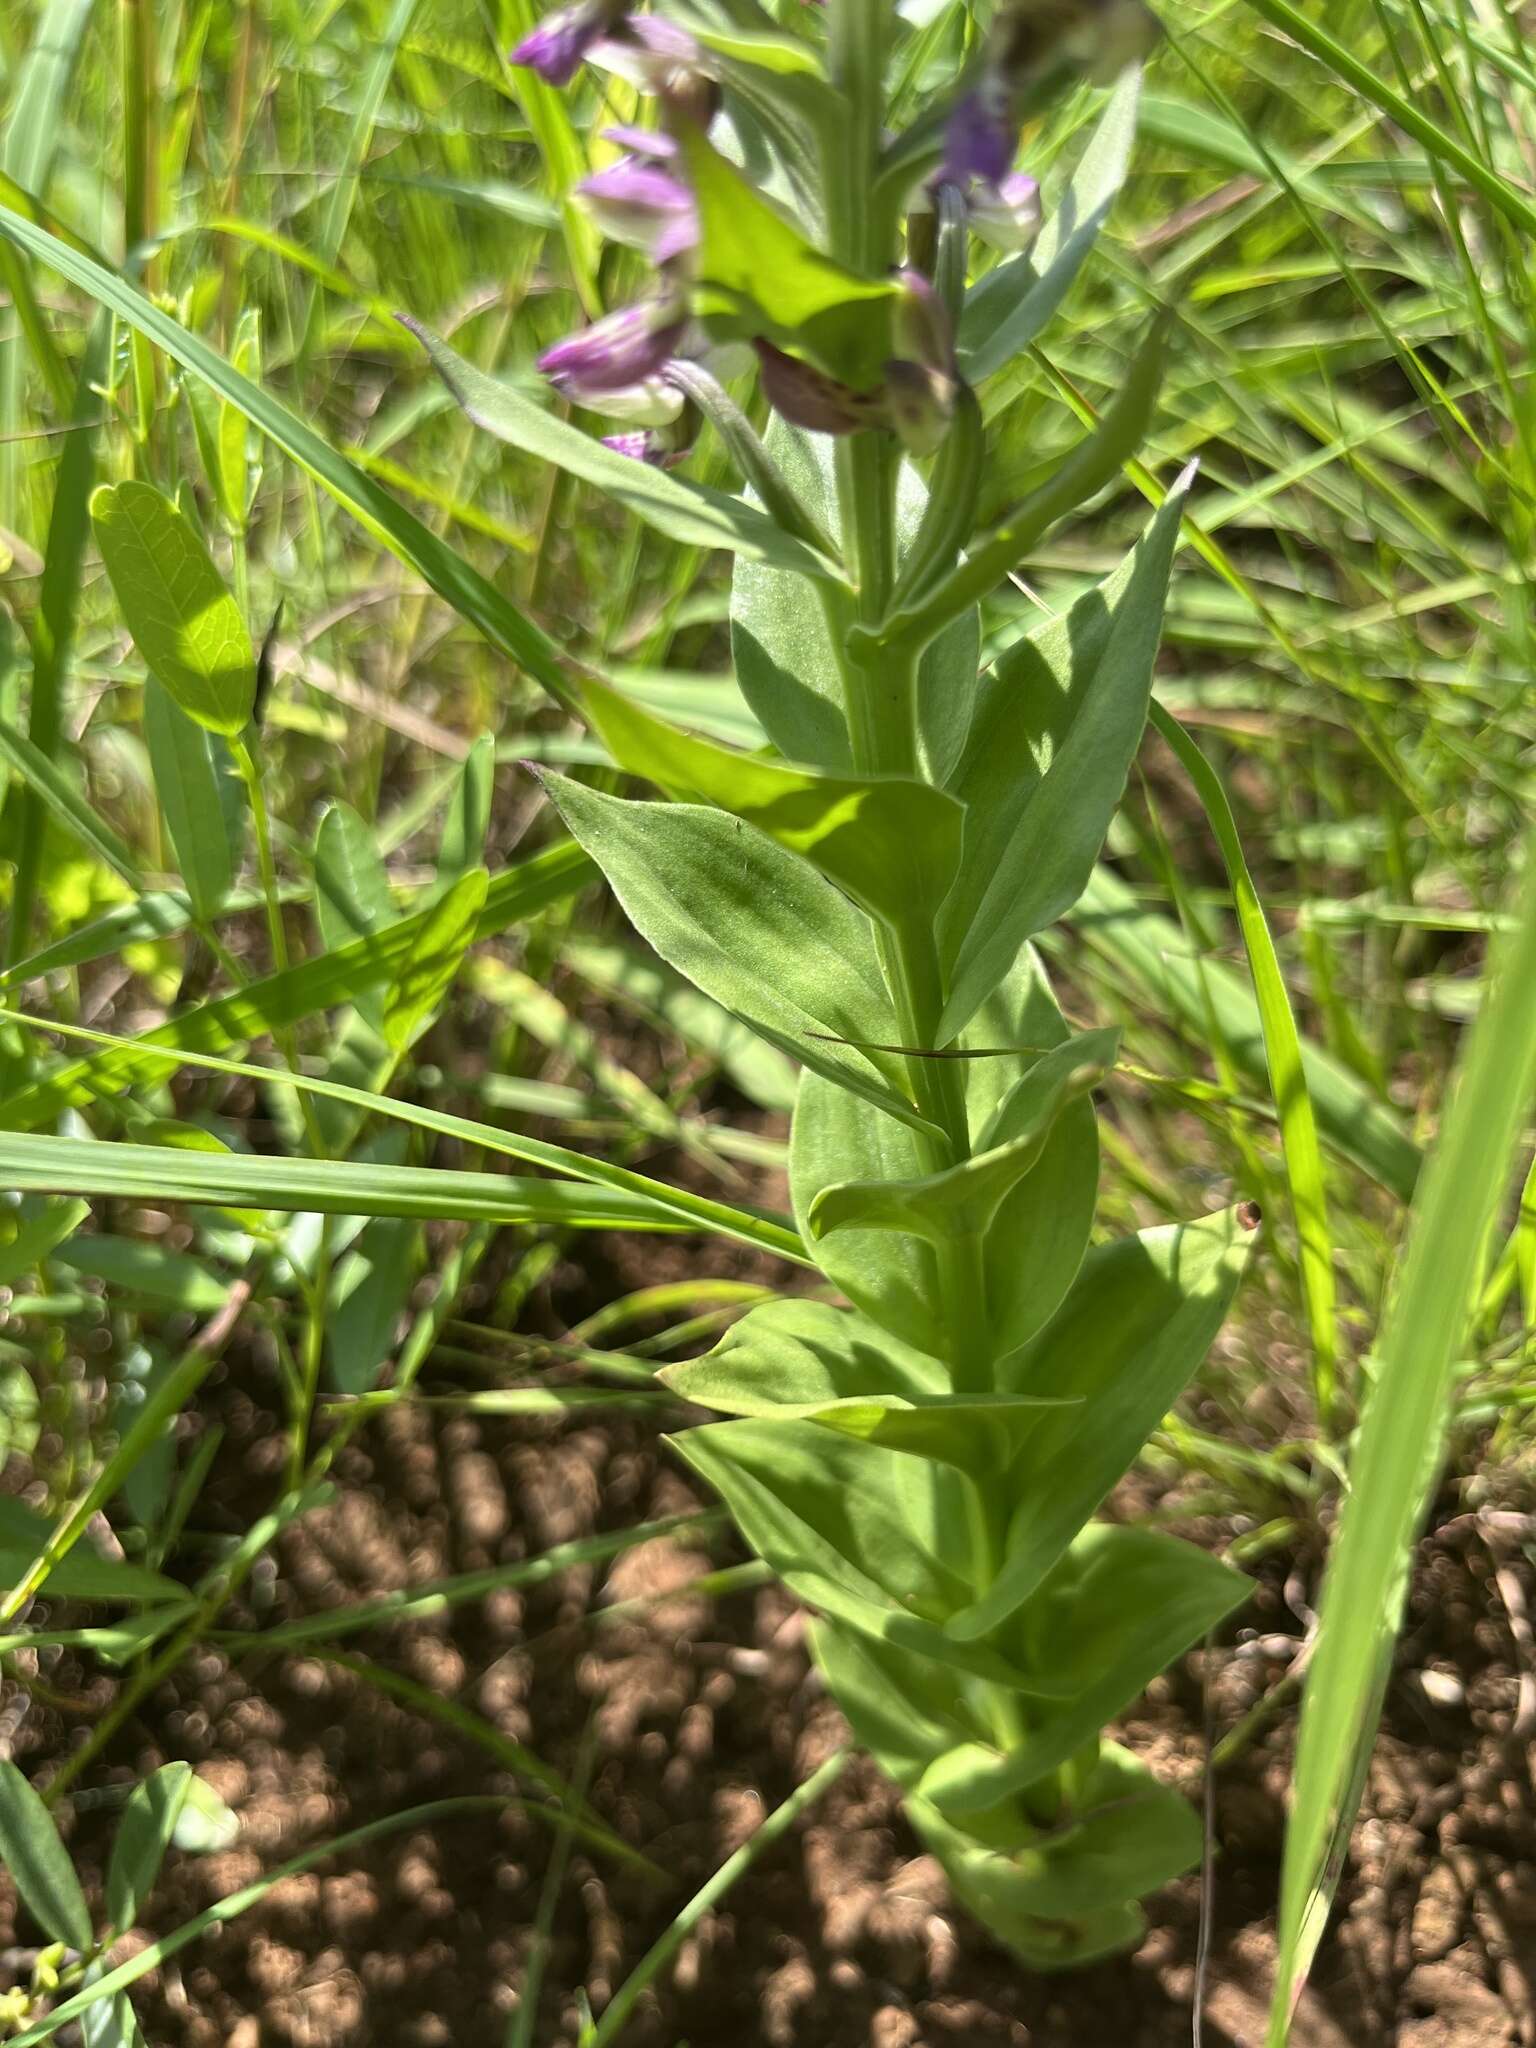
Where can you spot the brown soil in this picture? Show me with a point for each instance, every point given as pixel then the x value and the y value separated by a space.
pixel 703 1715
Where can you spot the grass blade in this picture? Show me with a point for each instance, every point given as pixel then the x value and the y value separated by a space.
pixel 674 1208
pixel 1406 113
pixel 287 998
pixel 779 1822
pixel 375 510
pixel 1287 1074
pixel 1397 1452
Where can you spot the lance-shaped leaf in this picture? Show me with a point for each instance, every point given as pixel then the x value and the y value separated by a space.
pixel 1134 1328
pixel 184 622
pixel 858 1531
pixel 1050 746
pixel 434 960
pixel 805 1361
pixel 83 1573
pixel 38 1862
pixel 1040 1234
pixel 1092 465
pixel 144 1833
pixel 891 843
pixel 758 275
pixel 684 511
pixel 201 800
pixel 750 925
pixel 892 1277
pixel 786 660
pixel 906 1711
pixel 1008 308
pixel 1115 1611
pixel 962 1201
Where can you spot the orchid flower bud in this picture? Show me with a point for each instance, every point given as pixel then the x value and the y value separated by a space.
pixel 1007 215
pixel 644 207
pixel 921 326
pixel 920 404
pixel 656 56
pixel 558 47
pixel 981 135
pixel 660 447
pixel 621 350
pixel 807 397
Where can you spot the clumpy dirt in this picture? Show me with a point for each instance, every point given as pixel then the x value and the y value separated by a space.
pixel 697 1716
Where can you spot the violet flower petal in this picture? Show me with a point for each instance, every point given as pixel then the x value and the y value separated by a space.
pixel 622 349
pixel 557 47
pixel 644 207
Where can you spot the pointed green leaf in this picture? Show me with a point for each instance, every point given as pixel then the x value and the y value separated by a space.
pixel 1007 309
pixel 1135 1326
pixel 144 1833
pixel 1045 763
pixel 891 843
pixel 38 1862
pixel 962 1201
pixel 83 1573
pixel 856 1530
pixel 804 1361
pixel 1126 1836
pixel 683 510
pixel 786 663
pixel 30 1230
pixel 1118 1608
pixel 369 1288
pixel 434 960
pixel 352 893
pixel 468 817
pixel 185 624
pixel 750 925
pixel 201 799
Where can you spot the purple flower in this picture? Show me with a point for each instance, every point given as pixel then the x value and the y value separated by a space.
pixel 981 137
pixel 557 48
pixel 652 143
pixel 654 55
pixel 614 353
pixel 644 207
pixel 647 445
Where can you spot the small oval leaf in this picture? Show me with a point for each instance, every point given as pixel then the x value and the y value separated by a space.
pixel 184 622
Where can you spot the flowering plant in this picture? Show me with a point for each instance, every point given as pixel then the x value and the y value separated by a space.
pixel 922 1457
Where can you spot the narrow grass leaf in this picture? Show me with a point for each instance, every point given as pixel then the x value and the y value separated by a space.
pixel 1287 1074
pixel 397 529
pixel 1397 1451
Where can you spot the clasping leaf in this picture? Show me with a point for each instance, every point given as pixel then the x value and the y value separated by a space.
pixel 891 843
pixel 962 1201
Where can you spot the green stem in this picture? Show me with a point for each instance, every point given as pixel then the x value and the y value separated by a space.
pixel 880 693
